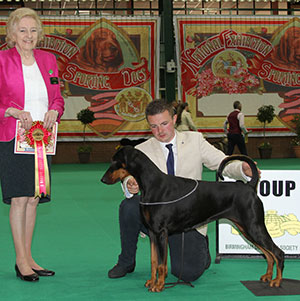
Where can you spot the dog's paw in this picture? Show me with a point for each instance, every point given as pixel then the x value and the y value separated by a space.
pixel 157 288
pixel 266 278
pixel 150 283
pixel 275 282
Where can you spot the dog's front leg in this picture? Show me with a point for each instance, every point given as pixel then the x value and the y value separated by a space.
pixel 154 261
pixel 162 263
pixel 161 253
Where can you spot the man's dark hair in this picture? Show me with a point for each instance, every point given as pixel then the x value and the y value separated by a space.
pixel 236 104
pixel 158 106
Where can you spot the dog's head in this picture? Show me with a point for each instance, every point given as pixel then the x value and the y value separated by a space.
pixel 102 51
pixel 118 169
pixel 287 52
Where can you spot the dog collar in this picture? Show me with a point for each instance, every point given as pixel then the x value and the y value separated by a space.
pixel 173 201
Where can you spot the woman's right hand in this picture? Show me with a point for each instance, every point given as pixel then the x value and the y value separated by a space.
pixel 23 116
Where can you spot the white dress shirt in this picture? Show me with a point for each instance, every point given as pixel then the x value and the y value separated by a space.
pixel 36 96
pixel 129 195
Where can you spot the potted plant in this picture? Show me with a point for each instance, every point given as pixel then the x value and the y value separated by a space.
pixel 265 115
pixel 296 141
pixel 85 116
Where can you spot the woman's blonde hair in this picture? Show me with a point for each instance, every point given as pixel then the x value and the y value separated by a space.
pixel 14 19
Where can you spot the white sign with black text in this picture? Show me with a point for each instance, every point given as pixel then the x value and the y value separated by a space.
pixel 280 194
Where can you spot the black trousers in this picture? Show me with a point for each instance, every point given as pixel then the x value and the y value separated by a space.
pixel 196 254
pixel 236 139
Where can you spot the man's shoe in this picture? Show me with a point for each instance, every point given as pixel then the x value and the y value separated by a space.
pixel 119 271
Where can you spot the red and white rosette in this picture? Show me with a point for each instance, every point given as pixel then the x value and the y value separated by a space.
pixel 38 137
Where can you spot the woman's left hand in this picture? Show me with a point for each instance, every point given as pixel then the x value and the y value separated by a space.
pixel 50 119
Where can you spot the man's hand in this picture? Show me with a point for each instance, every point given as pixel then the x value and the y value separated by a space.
pixel 132 186
pixel 247 169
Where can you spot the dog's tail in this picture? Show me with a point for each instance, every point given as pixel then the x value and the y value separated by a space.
pixel 255 175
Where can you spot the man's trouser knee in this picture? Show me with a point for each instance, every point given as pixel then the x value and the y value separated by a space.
pixel 195 255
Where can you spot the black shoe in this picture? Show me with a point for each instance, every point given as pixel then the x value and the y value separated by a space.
pixel 44 272
pixel 119 271
pixel 31 277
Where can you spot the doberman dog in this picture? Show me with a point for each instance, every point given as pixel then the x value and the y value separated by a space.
pixel 171 204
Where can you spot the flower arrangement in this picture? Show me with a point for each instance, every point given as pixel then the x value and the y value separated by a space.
pixel 238 82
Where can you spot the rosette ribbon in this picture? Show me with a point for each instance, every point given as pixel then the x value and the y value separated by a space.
pixel 38 137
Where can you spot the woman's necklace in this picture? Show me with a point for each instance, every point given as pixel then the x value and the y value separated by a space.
pixel 26 57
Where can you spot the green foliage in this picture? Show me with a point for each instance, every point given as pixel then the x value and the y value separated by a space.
pixel 84 149
pixel 265 145
pixel 85 116
pixel 265 115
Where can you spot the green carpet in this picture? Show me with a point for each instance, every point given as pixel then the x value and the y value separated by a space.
pixel 77 235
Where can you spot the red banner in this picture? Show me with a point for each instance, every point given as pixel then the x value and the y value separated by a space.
pixel 127 77
pixel 254 59
pixel 109 65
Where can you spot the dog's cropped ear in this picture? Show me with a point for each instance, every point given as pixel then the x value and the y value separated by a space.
pixel 128 154
pixel 123 155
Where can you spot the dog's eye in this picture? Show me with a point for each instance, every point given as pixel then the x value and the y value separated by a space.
pixel 117 164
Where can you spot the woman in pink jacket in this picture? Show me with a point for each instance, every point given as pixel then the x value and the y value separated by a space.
pixel 29 91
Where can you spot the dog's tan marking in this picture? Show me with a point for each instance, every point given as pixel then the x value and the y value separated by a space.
pixel 162 271
pixel 119 174
pixel 270 257
pixel 277 281
pixel 146 215
pixel 160 284
pixel 154 263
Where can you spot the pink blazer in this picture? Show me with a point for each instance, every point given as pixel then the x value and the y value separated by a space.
pixel 12 90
